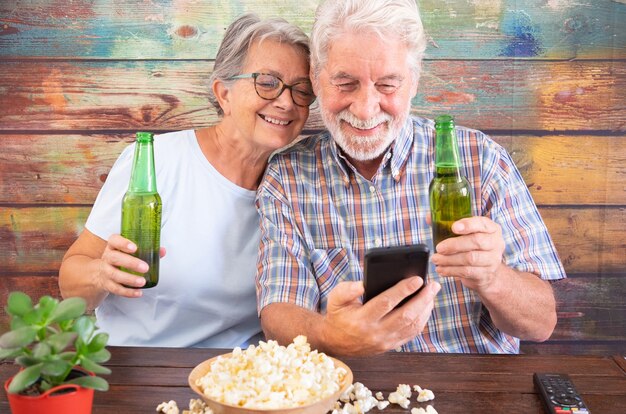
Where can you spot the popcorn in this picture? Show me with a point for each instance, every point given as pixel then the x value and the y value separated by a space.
pixel 269 376
pixel 425 395
pixel 429 410
pixel 401 396
pixel 196 406
pixel 167 407
pixel 358 399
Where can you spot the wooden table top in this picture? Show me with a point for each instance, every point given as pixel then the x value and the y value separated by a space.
pixel 142 378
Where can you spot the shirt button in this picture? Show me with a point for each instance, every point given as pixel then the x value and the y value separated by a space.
pixel 387 156
pixel 378 242
pixel 372 189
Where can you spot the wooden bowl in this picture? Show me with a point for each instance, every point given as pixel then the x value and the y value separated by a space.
pixel 319 407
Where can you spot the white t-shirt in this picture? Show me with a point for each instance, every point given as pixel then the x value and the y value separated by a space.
pixel 210 229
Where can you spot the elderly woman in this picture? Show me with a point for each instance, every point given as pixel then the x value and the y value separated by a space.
pixel 207 179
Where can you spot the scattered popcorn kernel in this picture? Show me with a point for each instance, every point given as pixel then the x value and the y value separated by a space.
pixel 425 395
pixel 167 407
pixel 431 410
pixel 417 388
pixel 381 405
pixel 397 398
pixel 379 396
pixel 404 390
pixel 418 411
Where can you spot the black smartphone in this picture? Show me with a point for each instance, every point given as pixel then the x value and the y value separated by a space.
pixel 386 266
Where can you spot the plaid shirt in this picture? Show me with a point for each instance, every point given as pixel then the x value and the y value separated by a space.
pixel 319 216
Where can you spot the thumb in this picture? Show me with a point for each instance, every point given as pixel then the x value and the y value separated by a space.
pixel 344 294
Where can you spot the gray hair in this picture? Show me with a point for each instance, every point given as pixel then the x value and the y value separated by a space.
pixel 382 17
pixel 240 35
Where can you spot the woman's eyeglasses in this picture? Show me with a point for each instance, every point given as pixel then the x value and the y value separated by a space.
pixel 270 87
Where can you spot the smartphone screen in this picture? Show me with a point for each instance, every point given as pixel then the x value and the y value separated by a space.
pixel 386 266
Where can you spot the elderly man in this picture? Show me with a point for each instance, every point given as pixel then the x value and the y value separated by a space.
pixel 364 184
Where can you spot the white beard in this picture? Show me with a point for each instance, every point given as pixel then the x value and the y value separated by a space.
pixel 359 147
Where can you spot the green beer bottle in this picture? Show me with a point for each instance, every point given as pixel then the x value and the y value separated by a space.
pixel 449 191
pixel 141 209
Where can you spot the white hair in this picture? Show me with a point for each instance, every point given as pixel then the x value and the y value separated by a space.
pixel 240 35
pixel 383 17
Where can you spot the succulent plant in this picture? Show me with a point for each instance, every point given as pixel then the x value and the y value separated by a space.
pixel 50 339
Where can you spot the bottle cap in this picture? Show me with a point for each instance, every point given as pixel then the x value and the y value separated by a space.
pixel 145 136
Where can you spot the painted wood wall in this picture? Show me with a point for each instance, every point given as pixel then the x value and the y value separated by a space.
pixel 546 78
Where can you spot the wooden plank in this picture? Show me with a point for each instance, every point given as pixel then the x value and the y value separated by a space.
pixel 591 308
pixel 70 169
pixel 589 240
pixel 162 95
pixel 56 169
pixel 35 286
pixel 34 239
pixel 527 29
pixel 574 347
pixel 571 170
pixel 127 29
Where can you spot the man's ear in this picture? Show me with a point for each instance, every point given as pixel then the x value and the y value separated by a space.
pixel 222 94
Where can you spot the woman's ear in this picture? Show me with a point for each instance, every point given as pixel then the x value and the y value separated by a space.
pixel 222 94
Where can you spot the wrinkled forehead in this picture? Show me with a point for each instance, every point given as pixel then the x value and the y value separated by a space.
pixel 382 53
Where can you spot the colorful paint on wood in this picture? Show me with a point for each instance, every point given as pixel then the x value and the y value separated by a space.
pixel 167 95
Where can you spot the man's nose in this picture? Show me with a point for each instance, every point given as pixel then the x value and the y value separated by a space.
pixel 366 103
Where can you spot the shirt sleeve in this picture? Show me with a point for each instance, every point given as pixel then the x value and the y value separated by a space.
pixel 507 201
pixel 283 267
pixel 105 217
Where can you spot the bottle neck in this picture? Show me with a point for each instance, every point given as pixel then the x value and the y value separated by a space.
pixel 447 159
pixel 143 176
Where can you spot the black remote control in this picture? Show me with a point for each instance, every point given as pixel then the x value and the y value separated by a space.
pixel 559 395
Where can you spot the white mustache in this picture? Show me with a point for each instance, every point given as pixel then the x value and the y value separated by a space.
pixel 355 122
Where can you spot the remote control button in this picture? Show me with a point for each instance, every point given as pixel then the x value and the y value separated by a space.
pixel 566 401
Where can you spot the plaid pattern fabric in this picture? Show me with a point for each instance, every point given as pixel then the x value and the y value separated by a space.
pixel 318 217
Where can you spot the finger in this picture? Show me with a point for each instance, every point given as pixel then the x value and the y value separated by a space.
pixel 477 258
pixel 384 303
pixel 410 319
pixel 119 282
pixel 120 259
pixel 344 294
pixel 162 252
pixel 463 272
pixel 469 242
pixel 126 285
pixel 117 242
pixel 476 224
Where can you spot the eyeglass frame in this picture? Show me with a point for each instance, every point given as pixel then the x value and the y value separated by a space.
pixel 255 75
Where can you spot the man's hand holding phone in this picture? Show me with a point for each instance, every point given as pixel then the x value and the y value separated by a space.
pixel 352 328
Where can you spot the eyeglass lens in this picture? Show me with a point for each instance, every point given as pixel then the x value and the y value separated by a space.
pixel 271 87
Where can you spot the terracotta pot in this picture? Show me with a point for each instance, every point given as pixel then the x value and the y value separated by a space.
pixel 74 400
